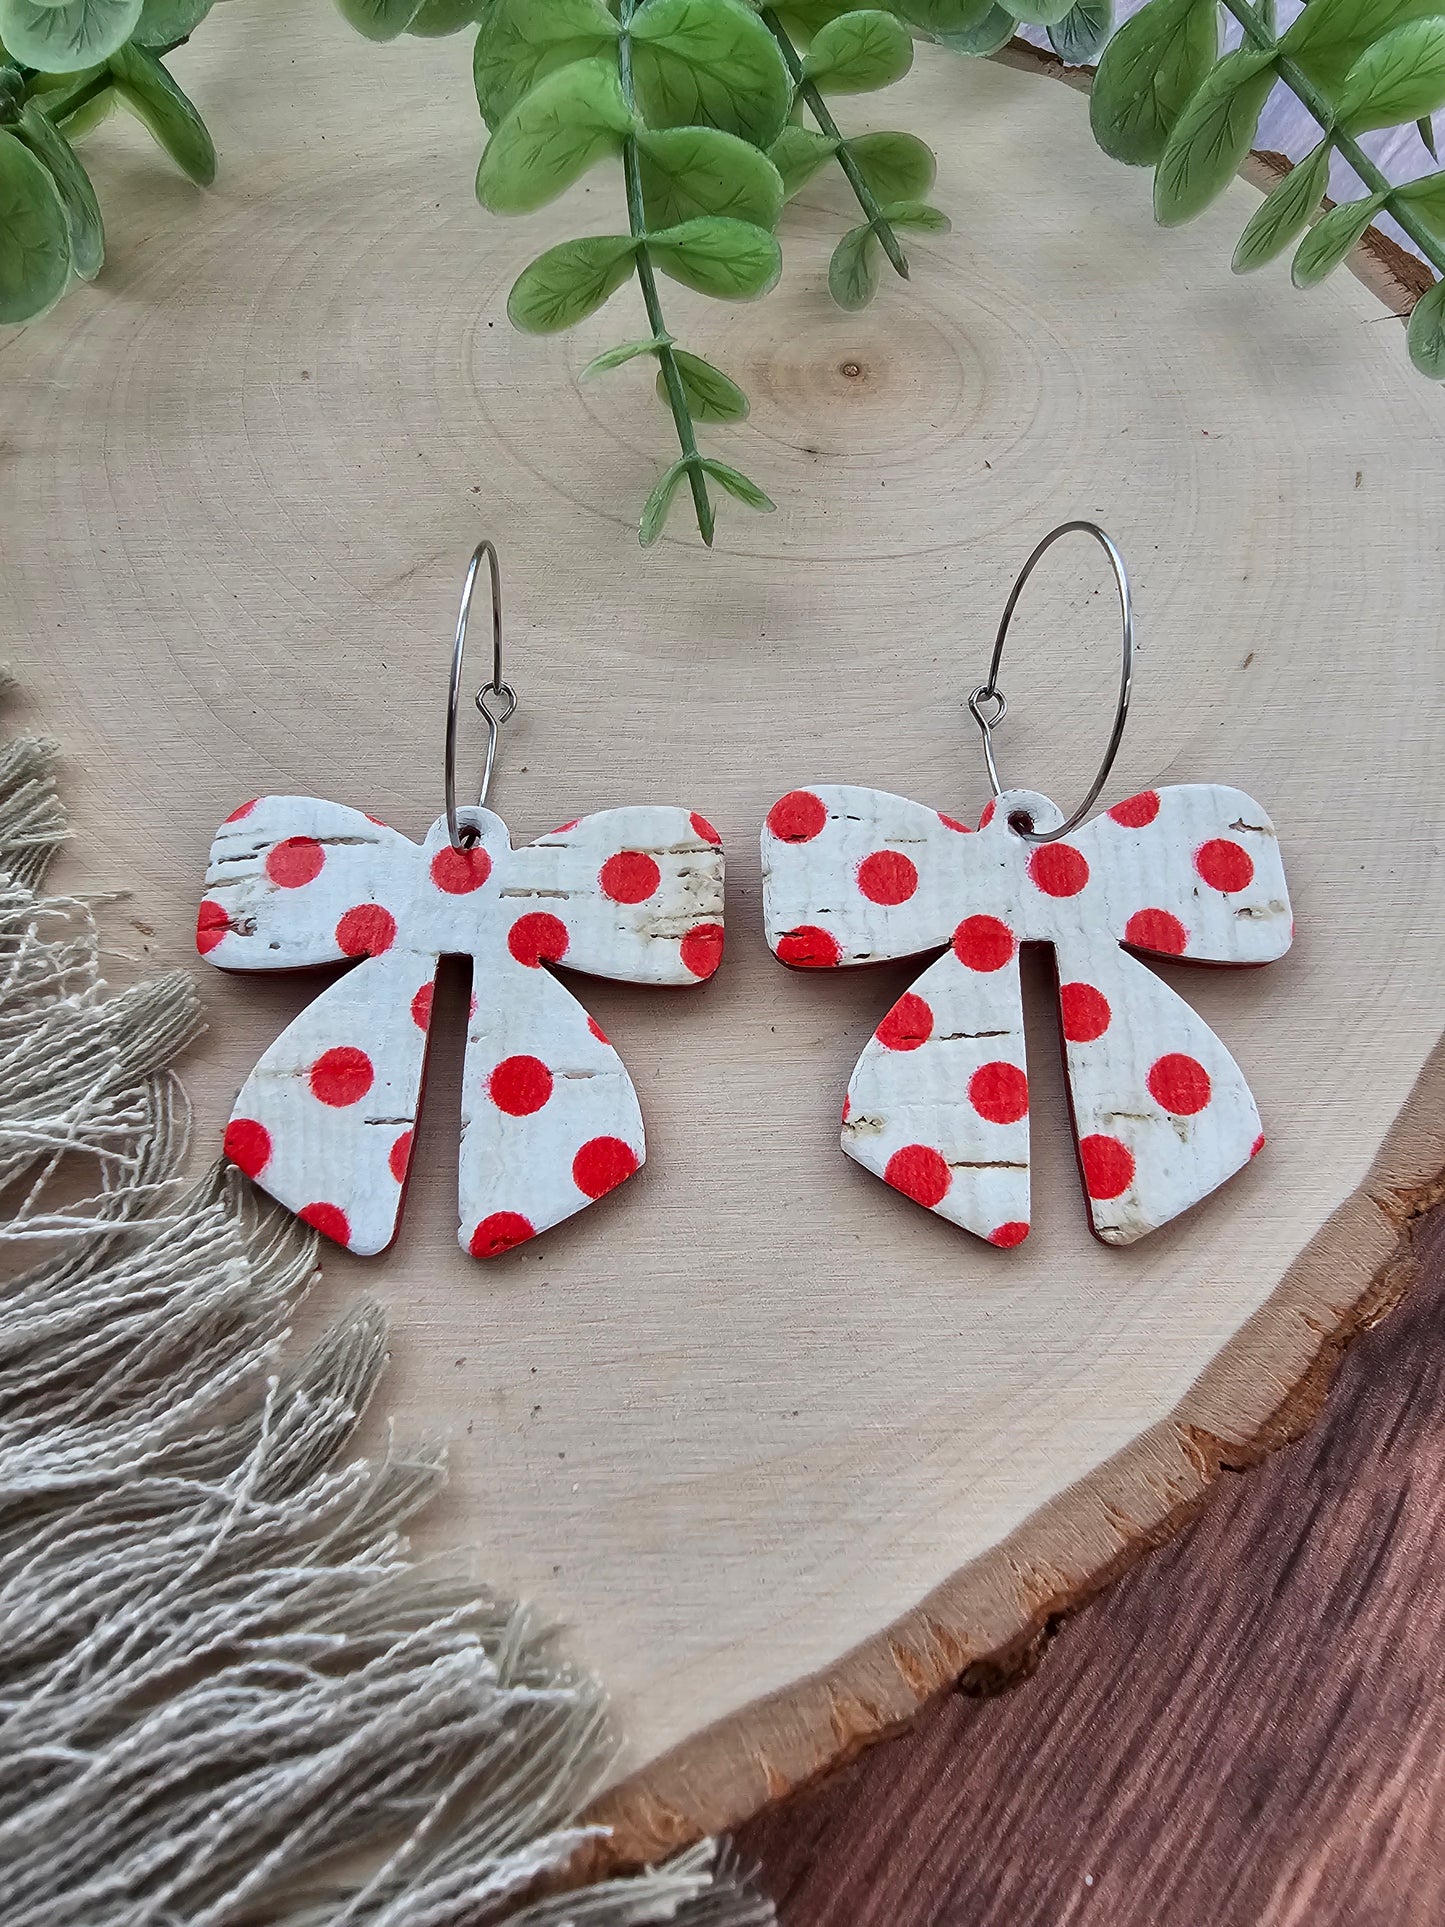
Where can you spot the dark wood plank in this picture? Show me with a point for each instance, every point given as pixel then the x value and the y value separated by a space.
pixel 1247 1731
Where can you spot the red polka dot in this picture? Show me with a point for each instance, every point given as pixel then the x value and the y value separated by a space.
pixel 907 1025
pixel 701 827
pixel 245 810
pixel 520 1085
pixel 999 1092
pixel 329 1219
pixel 499 1233
pixel 847 1108
pixel 888 876
pixel 1257 1146
pixel 629 877
pixel 920 1173
pixel 458 871
pixel 1108 1166
pixel 602 1164
pixel 538 938
pixel 1008 1235
pixel 1179 1083
pixel 421 1006
pixel 952 823
pixel 983 943
pixel 248 1145
pixel 702 949
pixel 988 810
pixel 809 948
pixel 399 1157
pixel 294 862
pixel 562 828
pixel 797 817
pixel 341 1076
pixel 1058 869
pixel 212 923
pixel 1085 1012
pixel 1156 930
pixel 598 1032
pixel 1224 865
pixel 366 931
pixel 1136 811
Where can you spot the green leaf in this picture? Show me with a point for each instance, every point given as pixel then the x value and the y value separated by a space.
pixel 1079 36
pixel 1331 238
pixel 1427 332
pixel 1425 197
pixel 739 486
pixel 88 115
pixel 72 183
pixel 655 510
pixel 173 122
pixel 858 52
pixel 437 18
pixel 1148 71
pixel 916 214
pixel 854 269
pixel 521 43
pixel 712 395
pixel 1330 35
pixel 570 281
pixel 34 235
pixel 164 22
pixel 68 38
pixel 710 63
pixel 687 171
pixel 993 29
pixel 1425 128
pixel 1285 213
pixel 1212 135
pixel 1040 13
pixel 733 260
pixel 1400 78
pixel 379 19
pixel 624 352
pixel 897 167
pixel 798 153
pixel 552 136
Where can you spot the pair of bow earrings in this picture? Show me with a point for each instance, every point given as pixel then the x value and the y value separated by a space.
pixel 938 1102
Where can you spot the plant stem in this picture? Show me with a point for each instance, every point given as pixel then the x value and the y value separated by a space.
pixel 1310 96
pixel 647 281
pixel 57 103
pixel 818 107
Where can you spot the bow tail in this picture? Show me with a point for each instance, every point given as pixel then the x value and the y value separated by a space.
pixel 938 1103
pixel 1162 1114
pixel 550 1120
pixel 324 1123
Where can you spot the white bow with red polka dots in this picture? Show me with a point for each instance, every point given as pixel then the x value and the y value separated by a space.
pixel 938 1103
pixel 550 1120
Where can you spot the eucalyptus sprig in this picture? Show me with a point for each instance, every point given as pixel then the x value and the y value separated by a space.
pixel 61 69
pixel 853 51
pixel 686 94
pixel 1168 96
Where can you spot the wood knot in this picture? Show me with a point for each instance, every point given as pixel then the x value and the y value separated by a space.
pixel 852 370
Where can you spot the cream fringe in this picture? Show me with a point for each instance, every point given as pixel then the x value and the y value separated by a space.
pixel 228 1696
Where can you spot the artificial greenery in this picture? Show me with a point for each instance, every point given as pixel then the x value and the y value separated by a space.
pixel 62 67
pixel 1168 96
pixel 716 113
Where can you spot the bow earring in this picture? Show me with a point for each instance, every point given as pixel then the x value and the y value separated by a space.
pixel 550 1119
pixel 938 1105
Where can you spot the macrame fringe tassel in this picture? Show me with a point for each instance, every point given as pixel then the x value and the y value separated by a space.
pixel 228 1696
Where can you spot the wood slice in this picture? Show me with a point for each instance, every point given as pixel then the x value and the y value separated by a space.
pixel 783 1451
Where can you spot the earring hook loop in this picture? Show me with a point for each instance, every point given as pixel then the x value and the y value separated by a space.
pixel 990 693
pixel 501 694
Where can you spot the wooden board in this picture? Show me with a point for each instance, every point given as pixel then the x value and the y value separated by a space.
pixel 1243 1733
pixel 785 1452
